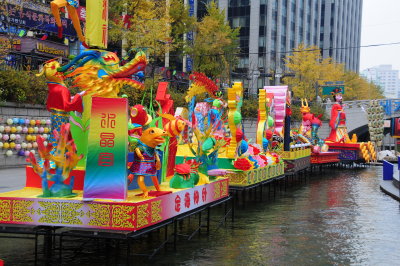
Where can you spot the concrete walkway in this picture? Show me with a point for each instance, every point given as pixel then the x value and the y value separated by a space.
pixel 12 179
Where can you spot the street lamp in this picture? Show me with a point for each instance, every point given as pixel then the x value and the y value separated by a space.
pixel 278 75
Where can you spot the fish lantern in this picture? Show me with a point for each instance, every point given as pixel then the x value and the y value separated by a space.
pixel 139 115
pixel 15 120
pixel 174 126
pixel 2 129
pixel 9 153
pixel 12 137
pixel 19 128
pixel 9 121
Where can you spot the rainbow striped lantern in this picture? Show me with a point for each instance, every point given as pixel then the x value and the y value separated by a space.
pixel 107 150
pixel 280 95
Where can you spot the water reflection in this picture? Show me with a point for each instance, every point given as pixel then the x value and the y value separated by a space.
pixel 338 218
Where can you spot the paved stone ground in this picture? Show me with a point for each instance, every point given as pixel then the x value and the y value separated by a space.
pixel 12 179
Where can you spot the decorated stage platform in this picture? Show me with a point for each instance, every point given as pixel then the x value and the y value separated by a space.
pixel 324 157
pixel 296 160
pixel 249 178
pixel 24 207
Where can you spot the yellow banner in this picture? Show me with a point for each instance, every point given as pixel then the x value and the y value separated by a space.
pixel 97 23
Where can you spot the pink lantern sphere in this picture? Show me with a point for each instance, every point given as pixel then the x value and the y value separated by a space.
pixel 48 122
pixel 17 137
pixel 41 130
pixel 18 147
pixel 27 153
pixel 27 121
pixel 24 130
pixel 6 137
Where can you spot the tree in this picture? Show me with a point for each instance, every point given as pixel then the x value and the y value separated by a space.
pixel 358 88
pixel 215 44
pixel 311 71
pixel 158 25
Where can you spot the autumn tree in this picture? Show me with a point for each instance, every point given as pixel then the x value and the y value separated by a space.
pixel 215 44
pixel 155 25
pixel 311 71
pixel 359 88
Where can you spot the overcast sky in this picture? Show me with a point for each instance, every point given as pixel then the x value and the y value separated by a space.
pixel 380 24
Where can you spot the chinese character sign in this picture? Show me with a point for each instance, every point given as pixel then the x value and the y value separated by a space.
pixel 107 149
pixel 97 23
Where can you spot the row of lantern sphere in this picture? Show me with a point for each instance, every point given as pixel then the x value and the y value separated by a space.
pixel 375 116
pixel 18 134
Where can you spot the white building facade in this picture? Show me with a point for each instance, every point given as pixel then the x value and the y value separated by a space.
pixel 386 77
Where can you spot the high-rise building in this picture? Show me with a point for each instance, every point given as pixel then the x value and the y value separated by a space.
pixel 385 77
pixel 270 29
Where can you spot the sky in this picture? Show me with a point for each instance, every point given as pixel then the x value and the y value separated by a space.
pixel 380 24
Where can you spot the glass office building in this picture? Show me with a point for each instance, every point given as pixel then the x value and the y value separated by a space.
pixel 270 29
